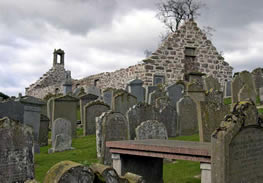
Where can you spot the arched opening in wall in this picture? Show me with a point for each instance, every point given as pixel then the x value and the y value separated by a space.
pixel 56 91
pixel 59 59
pixel 96 81
pixel 158 80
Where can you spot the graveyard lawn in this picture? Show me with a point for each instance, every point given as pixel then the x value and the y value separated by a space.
pixel 85 153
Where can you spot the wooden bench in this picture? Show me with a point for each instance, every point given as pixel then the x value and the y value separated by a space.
pixel 145 157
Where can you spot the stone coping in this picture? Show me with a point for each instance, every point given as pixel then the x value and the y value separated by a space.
pixel 170 149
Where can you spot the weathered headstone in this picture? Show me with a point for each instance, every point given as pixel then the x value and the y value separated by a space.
pixel 148 90
pixel 114 128
pixel 122 102
pixel 139 113
pixel 168 116
pixel 257 75
pixel 32 111
pixel 69 172
pixel 151 129
pixel 12 109
pixel 243 78
pixel 227 89
pixel 91 111
pixel 175 93
pixel 83 100
pixel 261 94
pixel 210 116
pixel 16 151
pixel 214 96
pixel 237 147
pixel 43 131
pixel 136 89
pixel 50 104
pixel 61 135
pixel 187 116
pixel 66 107
pixel 99 121
pixel 195 90
pixel 154 95
pixel 161 102
pixel 107 96
pixel 211 83
pixel 246 94
pixel 93 90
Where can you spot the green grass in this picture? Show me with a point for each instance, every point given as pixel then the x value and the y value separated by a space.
pixel 85 153
pixel 260 111
pixel 78 113
pixel 228 101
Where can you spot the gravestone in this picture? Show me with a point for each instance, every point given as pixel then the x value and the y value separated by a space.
pixel 69 172
pixel 32 111
pixel 136 89
pixel 50 104
pixel 175 93
pixel 261 95
pixel 211 83
pixel 139 113
pixel 237 147
pixel 99 121
pixel 61 135
pixel 91 111
pixel 107 96
pixel 168 116
pixel 83 100
pixel 214 96
pixel 12 109
pixel 43 131
pixel 66 107
pixel 161 102
pixel 195 90
pixel 210 116
pixel 257 75
pixel 227 89
pixel 148 90
pixel 16 150
pixel 243 78
pixel 187 116
pixel 246 93
pixel 93 90
pixel 151 129
pixel 122 102
pixel 154 95
pixel 114 128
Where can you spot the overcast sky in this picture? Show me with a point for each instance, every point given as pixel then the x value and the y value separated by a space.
pixel 105 35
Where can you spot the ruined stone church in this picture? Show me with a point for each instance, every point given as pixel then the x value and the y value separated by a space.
pixel 185 51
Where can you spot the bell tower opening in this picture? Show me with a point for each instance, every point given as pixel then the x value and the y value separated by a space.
pixel 58 58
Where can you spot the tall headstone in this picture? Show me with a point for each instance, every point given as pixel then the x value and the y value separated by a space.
pixel 211 83
pixel 154 95
pixel 261 95
pixel 93 90
pixel 243 78
pixel 91 111
pixel 227 89
pixel 195 90
pixel 50 104
pixel 151 129
pixel 16 150
pixel 257 75
pixel 114 128
pixel 187 116
pixel 61 135
pixel 214 96
pixel 237 147
pixel 99 121
pixel 66 107
pixel 246 93
pixel 175 93
pixel 148 90
pixel 32 111
pixel 83 100
pixel 139 113
pixel 168 116
pixel 122 102
pixel 43 131
pixel 12 109
pixel 107 96
pixel 136 89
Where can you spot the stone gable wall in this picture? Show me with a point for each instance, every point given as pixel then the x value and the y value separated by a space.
pixel 169 61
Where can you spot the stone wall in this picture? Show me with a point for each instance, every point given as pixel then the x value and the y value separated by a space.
pixel 171 60
pixel 48 83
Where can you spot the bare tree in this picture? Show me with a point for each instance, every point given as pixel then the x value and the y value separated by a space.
pixel 173 12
